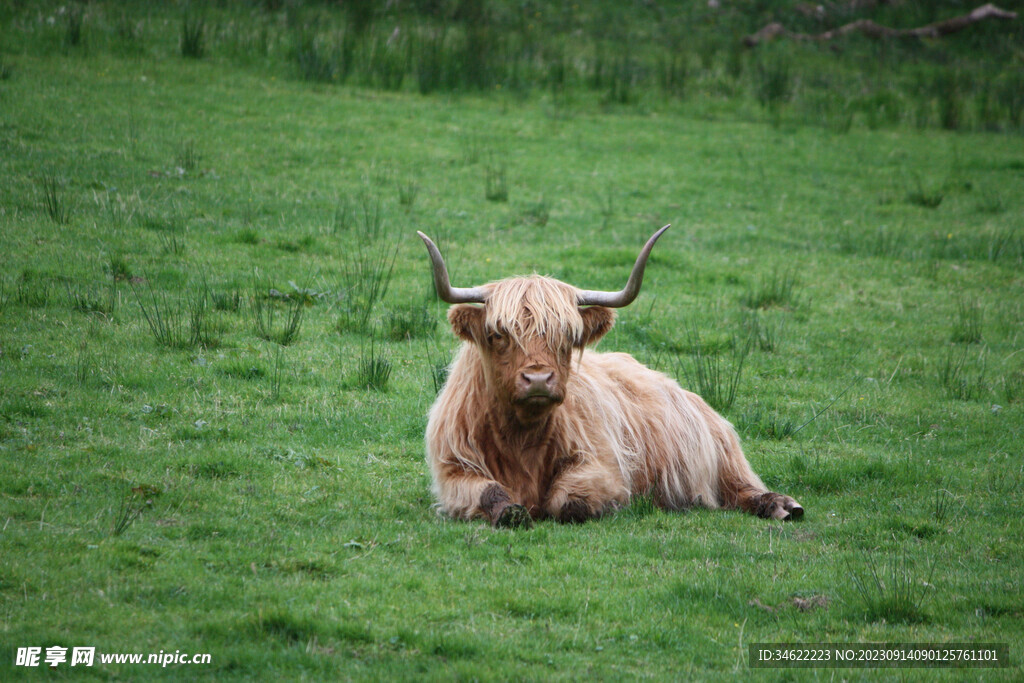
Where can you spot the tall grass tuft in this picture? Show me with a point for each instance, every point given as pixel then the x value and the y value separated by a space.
pixel 776 289
pixel 74 18
pixel 773 80
pixel 374 367
pixel 366 271
pixel 119 210
pixel 495 183
pixel 968 323
pixel 275 317
pixel 760 422
pixel 410 322
pixel 948 91
pixel 537 213
pixel 5 294
pixel 371 217
pixel 101 300
pixel 944 506
pixel 706 372
pixel 177 323
pixel 133 503
pixel 84 364
pixel 187 157
pixel 890 590
pixel 407 193
pixel 277 373
pixel 962 381
pixel 315 62
pixel 765 333
pixel 54 203
pixel 193 35
pixel 926 197
pixel 32 289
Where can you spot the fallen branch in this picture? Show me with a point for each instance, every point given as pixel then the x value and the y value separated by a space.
pixel 870 29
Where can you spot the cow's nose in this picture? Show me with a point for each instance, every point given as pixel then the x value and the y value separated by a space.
pixel 538 383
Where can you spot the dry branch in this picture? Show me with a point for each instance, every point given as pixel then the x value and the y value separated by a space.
pixel 872 30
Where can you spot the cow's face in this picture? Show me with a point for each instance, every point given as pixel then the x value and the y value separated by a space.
pixel 526 333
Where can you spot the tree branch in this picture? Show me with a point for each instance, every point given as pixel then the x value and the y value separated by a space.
pixel 870 29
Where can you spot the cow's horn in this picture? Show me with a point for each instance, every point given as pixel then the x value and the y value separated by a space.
pixel 624 297
pixel 447 293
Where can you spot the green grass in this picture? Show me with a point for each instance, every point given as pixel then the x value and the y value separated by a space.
pixel 248 479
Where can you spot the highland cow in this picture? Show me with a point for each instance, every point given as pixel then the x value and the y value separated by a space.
pixel 531 425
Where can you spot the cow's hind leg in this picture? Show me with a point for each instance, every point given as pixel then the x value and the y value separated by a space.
pixel 740 488
pixel 764 504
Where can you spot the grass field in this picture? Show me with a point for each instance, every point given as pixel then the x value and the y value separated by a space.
pixel 219 342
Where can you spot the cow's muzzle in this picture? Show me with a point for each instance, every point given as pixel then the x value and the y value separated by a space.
pixel 537 388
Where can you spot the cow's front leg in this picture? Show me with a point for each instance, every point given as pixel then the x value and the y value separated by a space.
pixel 498 506
pixel 585 492
pixel 467 495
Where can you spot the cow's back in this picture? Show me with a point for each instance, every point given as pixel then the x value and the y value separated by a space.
pixel 663 437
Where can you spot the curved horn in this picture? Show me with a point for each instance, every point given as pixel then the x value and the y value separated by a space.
pixel 587 297
pixel 447 293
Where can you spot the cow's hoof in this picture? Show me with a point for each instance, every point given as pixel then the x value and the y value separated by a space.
pixel 777 506
pixel 575 512
pixel 514 516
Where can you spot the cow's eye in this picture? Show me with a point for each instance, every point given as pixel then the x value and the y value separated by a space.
pixel 496 339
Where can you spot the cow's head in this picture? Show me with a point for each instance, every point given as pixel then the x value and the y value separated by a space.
pixel 527 329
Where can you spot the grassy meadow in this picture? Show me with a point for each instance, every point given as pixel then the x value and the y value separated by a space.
pixel 219 337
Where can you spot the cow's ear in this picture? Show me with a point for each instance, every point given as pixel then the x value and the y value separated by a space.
pixel 468 322
pixel 597 320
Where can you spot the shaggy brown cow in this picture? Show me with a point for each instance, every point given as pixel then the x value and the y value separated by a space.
pixel 531 425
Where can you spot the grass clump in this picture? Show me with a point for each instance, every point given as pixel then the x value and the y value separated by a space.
pixel 891 590
pixel 968 323
pixel 962 380
pixel 760 422
pixel 101 299
pixel 366 272
pixel 132 504
pixel 765 332
pixel 187 157
pixel 316 62
pixel 373 369
pixel 773 81
pixel 54 202
pixel 407 193
pixel 708 373
pixel 74 19
pixel 32 289
pixel 774 290
pixel 537 213
pixel 410 322
pixel 176 323
pixel 925 197
pixel 193 35
pixel 495 183
pixel 275 316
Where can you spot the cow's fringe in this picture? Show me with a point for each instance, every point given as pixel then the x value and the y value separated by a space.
pixel 534 306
